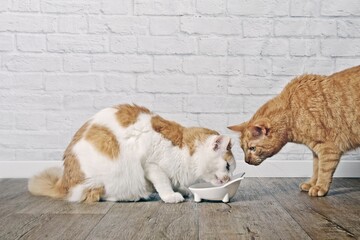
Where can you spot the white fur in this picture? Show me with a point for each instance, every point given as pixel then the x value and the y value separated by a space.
pixel 146 159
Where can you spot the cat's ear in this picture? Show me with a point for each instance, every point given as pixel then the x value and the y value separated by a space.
pixel 260 127
pixel 221 143
pixel 239 127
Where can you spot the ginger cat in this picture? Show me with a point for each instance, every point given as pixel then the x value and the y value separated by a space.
pixel 125 153
pixel 322 112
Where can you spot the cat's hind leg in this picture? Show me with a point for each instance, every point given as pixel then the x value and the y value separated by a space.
pixel 329 158
pixel 84 193
pixel 305 186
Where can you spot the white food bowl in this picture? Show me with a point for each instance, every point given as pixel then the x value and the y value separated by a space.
pixel 218 193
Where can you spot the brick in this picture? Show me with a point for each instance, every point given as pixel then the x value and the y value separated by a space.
pixel 25 5
pixel 164 25
pixel 299 27
pixel 288 67
pixel 211 6
pixel 107 100
pixel 6 81
pixel 33 140
pixel 30 102
pixel 211 25
pixel 217 122
pixel 304 8
pixel 6 43
pixel 123 63
pixel 167 64
pixel 340 47
pixel 201 65
pixel 30 121
pixel 27 23
pixel 348 28
pixel 77 43
pixel 72 24
pixel 231 66
pixel 213 46
pixel 303 47
pixel 212 84
pixel 28 81
pixel 257 27
pixel 319 66
pixel 77 63
pixel 129 25
pixel 31 42
pixel 253 103
pixel 32 63
pixel 78 101
pixel 275 47
pixel 164 7
pixel 7 120
pixel 166 45
pixel 115 6
pixel 340 8
pixel 7 155
pixel 213 104
pixel 250 85
pixel 166 83
pixel 120 83
pixel 78 83
pixel 257 66
pixel 245 46
pixel 343 63
pixel 39 155
pixel 70 6
pixel 168 103
pixel 67 120
pixel 6 4
pixel 260 8
pixel 123 44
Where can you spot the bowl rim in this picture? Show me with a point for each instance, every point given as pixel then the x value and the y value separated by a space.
pixel 236 178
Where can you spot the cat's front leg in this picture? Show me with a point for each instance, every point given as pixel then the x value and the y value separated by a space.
pixel 312 181
pixel 162 184
pixel 184 191
pixel 328 160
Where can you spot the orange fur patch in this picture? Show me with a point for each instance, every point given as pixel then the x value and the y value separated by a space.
pixel 93 194
pixel 169 130
pixel 72 172
pixel 103 140
pixel 127 114
pixel 196 134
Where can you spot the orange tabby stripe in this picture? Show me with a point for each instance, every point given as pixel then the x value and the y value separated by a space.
pixel 127 114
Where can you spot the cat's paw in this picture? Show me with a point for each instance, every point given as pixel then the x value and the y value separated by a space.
pixel 173 198
pixel 305 186
pixel 317 191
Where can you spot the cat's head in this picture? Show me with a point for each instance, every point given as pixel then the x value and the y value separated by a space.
pixel 259 140
pixel 217 162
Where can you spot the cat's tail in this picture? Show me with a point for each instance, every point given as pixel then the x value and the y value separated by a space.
pixel 47 183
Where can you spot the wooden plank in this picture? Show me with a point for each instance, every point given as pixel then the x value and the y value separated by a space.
pixel 148 220
pixel 252 214
pixel 314 215
pixel 47 226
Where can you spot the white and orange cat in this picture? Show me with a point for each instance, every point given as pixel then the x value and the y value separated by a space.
pixel 322 112
pixel 125 153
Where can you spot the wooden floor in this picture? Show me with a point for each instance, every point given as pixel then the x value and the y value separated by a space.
pixel 263 208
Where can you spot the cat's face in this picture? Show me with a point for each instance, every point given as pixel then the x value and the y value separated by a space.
pixel 217 161
pixel 258 140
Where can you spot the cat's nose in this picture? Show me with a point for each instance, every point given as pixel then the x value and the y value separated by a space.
pixel 225 179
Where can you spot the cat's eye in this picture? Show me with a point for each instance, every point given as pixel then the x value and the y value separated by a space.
pixel 228 166
pixel 253 149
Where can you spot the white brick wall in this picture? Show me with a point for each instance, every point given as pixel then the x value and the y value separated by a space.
pixel 199 62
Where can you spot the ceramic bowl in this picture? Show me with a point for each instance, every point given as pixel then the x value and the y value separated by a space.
pixel 223 193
